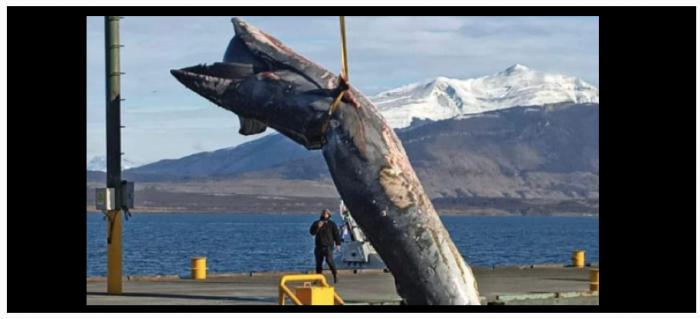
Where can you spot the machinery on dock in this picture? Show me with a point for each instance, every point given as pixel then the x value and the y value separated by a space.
pixel 357 252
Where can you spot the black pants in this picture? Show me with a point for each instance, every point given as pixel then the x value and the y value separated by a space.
pixel 324 252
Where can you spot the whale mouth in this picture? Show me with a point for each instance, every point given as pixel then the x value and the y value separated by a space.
pixel 266 84
pixel 218 70
pixel 212 81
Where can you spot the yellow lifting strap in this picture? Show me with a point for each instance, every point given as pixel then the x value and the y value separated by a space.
pixel 344 65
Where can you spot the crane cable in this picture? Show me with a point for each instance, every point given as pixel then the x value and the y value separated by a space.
pixel 343 66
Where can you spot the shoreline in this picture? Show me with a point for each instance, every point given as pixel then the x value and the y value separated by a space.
pixel 92 210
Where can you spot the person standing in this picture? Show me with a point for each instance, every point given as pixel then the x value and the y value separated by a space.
pixel 327 234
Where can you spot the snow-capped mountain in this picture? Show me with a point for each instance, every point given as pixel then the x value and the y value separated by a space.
pixel 550 152
pixel 99 163
pixel 443 98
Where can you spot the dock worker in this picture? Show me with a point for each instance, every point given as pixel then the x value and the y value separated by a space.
pixel 326 233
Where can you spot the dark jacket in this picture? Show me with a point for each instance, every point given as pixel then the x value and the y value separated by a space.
pixel 326 235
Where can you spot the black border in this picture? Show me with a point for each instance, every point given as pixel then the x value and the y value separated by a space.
pixel 643 46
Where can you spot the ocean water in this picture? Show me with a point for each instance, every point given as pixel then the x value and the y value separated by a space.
pixel 163 244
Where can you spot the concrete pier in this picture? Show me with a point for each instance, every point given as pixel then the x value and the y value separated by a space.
pixel 539 284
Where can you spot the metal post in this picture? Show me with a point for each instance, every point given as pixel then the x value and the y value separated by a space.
pixel 114 225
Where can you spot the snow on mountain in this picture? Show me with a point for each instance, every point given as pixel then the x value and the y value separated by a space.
pixel 99 163
pixel 443 98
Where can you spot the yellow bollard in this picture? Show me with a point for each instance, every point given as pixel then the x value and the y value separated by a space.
pixel 199 267
pixel 578 259
pixel 594 280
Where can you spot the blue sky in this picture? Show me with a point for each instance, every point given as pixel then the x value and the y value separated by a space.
pixel 165 120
